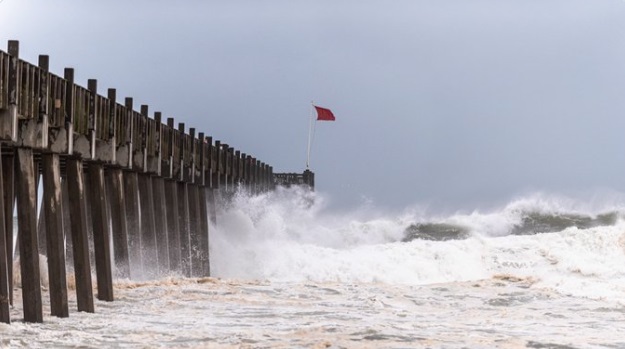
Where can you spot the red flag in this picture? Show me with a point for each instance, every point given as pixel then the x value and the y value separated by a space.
pixel 324 114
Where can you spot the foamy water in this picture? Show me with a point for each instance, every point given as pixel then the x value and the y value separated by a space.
pixel 288 273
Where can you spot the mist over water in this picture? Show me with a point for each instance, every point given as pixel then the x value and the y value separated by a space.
pixel 288 235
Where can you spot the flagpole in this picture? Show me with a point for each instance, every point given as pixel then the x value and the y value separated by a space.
pixel 312 106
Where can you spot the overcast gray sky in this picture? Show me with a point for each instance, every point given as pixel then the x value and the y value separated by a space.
pixel 449 103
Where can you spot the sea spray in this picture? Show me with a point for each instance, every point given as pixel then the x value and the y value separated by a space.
pixel 290 236
pixel 311 277
pixel 43 272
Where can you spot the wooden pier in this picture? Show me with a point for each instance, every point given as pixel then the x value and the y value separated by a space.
pixel 141 189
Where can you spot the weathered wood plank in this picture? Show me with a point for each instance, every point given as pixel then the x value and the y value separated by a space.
pixel 80 240
pixel 8 117
pixel 33 111
pixel 27 220
pixel 52 206
pixel 101 231
pixel 114 177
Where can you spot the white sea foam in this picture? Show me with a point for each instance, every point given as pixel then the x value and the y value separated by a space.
pixel 278 237
pixel 294 274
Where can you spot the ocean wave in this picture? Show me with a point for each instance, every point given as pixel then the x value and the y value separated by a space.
pixel 529 223
pixel 280 237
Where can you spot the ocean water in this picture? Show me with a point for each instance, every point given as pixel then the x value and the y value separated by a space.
pixel 540 272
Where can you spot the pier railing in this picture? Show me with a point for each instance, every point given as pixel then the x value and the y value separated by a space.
pixel 141 189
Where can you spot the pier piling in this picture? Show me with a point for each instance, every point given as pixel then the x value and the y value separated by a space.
pixel 122 190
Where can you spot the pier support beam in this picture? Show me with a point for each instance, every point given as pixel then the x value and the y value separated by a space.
pixel 204 243
pixel 117 203
pixel 80 240
pixel 131 196
pixel 101 231
pixel 5 257
pixel 194 231
pixel 8 184
pixel 29 250
pixel 173 226
pixel 148 238
pixel 160 224
pixel 52 206
pixel 183 225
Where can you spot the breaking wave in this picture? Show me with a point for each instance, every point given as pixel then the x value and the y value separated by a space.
pixel 289 235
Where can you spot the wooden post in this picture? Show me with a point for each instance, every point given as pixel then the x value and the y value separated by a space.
pixel 262 177
pixel 70 99
pixel 8 166
pixel 8 119
pixel 146 199
pixel 98 207
pixel 173 227
pixel 183 225
pixel 115 186
pixel 101 231
pixel 160 224
pixel 92 85
pixel 230 168
pixel 131 197
pixel 27 220
pixel 213 181
pixel 210 167
pixel 201 161
pixel 192 196
pixel 204 240
pixel 159 206
pixel 42 139
pixel 131 191
pixel 118 221
pixel 202 183
pixel 218 167
pixel 112 124
pixel 181 152
pixel 183 209
pixel 194 230
pixel 148 238
pixel 5 295
pixel 239 169
pixel 52 206
pixel 80 240
pixel 250 174
pixel 191 178
pixel 226 167
pixel 244 170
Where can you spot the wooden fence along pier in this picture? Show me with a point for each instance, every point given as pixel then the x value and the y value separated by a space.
pixel 142 190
